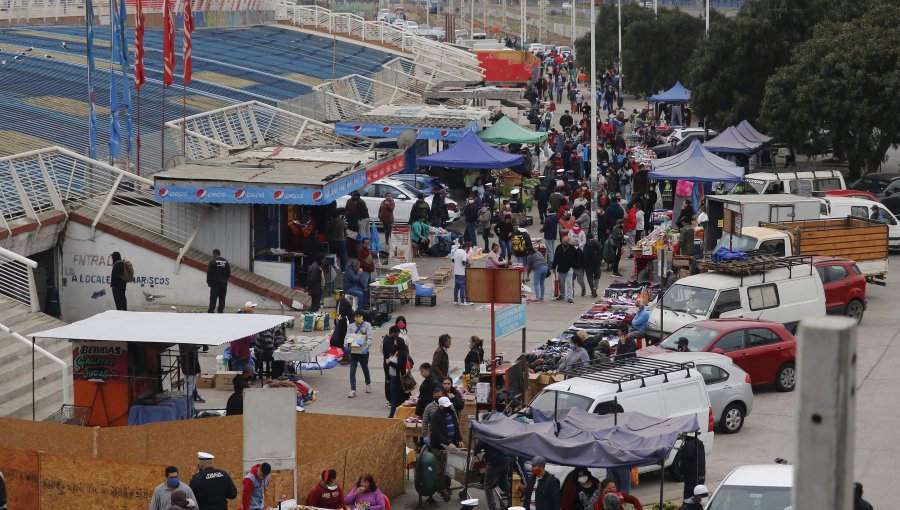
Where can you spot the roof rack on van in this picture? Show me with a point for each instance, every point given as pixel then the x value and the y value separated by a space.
pixel 624 368
pixel 756 263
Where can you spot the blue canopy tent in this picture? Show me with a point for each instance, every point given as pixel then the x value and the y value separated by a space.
pixel 676 94
pixel 731 141
pixel 471 152
pixel 750 133
pixel 696 164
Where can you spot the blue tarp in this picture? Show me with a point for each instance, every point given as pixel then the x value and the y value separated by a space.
pixel 731 141
pixel 676 94
pixel 471 152
pixel 696 164
pixel 580 438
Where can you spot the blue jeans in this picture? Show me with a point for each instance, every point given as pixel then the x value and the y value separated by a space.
pixel 622 477
pixel 505 248
pixel 539 277
pixel 459 288
pixel 550 244
pixel 360 296
pixel 363 361
pixel 339 248
pixel 473 233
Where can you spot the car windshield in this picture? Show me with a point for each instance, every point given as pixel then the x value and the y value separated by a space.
pixel 743 243
pixel 750 187
pixel 698 338
pixel 869 184
pixel 411 189
pixel 548 400
pixel 737 497
pixel 689 299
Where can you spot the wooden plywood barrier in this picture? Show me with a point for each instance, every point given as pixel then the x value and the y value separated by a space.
pixel 47 437
pixel 383 456
pixel 93 484
pixel 21 471
pixel 309 474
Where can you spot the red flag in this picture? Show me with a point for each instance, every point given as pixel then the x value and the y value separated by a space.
pixel 168 43
pixel 139 78
pixel 188 29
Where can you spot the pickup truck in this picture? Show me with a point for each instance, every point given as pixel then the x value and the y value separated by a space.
pixel 862 240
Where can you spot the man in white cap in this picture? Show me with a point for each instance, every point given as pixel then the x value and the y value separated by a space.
pixel 695 502
pixel 212 486
pixel 445 434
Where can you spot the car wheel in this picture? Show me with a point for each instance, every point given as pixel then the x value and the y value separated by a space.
pixel 855 310
pixel 675 469
pixel 732 418
pixel 786 377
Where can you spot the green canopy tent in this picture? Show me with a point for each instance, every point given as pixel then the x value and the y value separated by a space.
pixel 507 131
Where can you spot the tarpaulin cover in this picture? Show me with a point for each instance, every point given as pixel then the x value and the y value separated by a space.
pixel 507 131
pixel 750 133
pixel 733 142
pixel 587 439
pixel 676 94
pixel 471 152
pixel 696 164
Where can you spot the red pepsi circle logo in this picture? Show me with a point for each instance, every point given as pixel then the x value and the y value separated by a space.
pixel 386 129
pixel 239 194
pixel 278 195
pixel 318 196
pixel 163 192
pixel 201 193
pixel 357 128
pixel 444 132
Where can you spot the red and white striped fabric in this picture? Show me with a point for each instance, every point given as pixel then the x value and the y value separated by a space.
pixel 139 78
pixel 188 29
pixel 168 43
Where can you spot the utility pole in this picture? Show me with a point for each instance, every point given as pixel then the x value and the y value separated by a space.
pixel 592 94
pixel 621 74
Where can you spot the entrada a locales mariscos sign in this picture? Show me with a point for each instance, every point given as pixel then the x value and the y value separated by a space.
pixel 105 361
pixel 79 272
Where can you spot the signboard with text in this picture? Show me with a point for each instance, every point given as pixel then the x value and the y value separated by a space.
pixel 103 361
pixel 166 190
pixel 509 320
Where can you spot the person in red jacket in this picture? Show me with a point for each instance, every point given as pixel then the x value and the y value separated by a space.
pixel 327 493
pixel 607 486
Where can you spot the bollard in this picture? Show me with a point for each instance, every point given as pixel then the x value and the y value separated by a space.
pixel 826 412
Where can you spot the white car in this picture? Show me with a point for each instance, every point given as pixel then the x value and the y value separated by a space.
pixel 412 25
pixel 535 48
pixel 566 6
pixel 383 14
pixel 761 486
pixel 404 198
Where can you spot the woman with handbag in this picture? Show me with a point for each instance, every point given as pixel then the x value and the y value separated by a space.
pixel 357 342
pixel 398 369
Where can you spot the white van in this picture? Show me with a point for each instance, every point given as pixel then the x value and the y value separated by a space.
pixel 784 294
pixel 841 207
pixel 805 183
pixel 678 389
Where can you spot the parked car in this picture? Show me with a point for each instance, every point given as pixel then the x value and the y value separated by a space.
pixel 404 196
pixel 880 184
pixel 665 150
pixel 412 25
pixel 535 48
pixel 767 351
pixel 852 193
pixel 845 286
pixel 765 486
pixel 479 36
pixel 729 387
pixel 678 134
pixel 422 182
pixel 383 14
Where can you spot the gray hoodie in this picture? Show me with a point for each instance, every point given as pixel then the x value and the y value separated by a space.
pixel 162 496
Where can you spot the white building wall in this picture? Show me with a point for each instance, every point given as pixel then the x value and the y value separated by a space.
pixel 227 229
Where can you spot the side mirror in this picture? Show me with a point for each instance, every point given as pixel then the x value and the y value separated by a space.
pixel 718 351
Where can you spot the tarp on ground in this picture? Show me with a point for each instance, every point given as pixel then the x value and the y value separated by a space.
pixel 587 439
pixel 471 152
pixel 507 131
pixel 731 141
pixel 750 133
pixel 696 164
pixel 676 94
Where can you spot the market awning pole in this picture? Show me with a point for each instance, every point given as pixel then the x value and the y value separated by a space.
pixel 593 131
pixel 662 480
pixel 493 354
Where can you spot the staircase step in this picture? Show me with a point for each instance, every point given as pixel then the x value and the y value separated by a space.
pixel 47 377
pixel 48 400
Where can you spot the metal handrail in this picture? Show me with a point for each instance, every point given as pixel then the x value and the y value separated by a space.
pixel 37 348
pixel 17 277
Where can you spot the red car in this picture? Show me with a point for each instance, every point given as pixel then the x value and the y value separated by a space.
pixel 845 286
pixel 765 350
pixel 854 193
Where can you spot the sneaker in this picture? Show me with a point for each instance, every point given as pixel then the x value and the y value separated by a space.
pixel 582 292
pixel 456 303
pixel 199 399
pixel 617 275
pixel 387 404
pixel 352 394
pixel 468 304
pixel 570 301
pixel 368 388
pixel 594 295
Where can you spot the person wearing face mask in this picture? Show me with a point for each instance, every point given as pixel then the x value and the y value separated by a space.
pixel 429 411
pixel 256 481
pixel 695 502
pixel 580 491
pixel 608 487
pixel 444 433
pixel 213 487
pixel 542 492
pixel 475 357
pixel 162 495
pixel 577 355
pixel 327 493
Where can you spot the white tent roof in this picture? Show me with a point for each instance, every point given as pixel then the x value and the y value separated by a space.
pixel 165 328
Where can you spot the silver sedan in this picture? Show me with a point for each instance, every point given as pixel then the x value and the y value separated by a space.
pixel 730 394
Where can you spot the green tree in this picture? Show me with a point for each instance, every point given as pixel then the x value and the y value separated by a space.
pixel 842 88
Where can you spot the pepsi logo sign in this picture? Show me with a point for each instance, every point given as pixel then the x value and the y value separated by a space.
pixel 386 129
pixel 201 193
pixel 444 133
pixel 163 192
pixel 239 194
pixel 317 196
pixel 278 195
pixel 357 128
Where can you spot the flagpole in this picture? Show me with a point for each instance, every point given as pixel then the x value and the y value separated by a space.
pixel 137 161
pixel 112 74
pixel 162 132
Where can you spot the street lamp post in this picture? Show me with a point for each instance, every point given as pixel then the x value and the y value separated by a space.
pixel 621 74
pixel 572 4
pixel 593 137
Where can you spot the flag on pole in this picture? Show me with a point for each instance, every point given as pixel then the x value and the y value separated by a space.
pixel 115 136
pixel 92 115
pixel 125 65
pixel 139 78
pixel 168 43
pixel 186 33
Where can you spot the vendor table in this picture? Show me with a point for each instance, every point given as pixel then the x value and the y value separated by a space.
pixel 311 348
pixel 170 409
pixel 391 294
pixel 641 261
pixel 404 412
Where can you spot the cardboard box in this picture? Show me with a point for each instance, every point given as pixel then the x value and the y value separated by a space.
pixel 544 379
pixel 206 382
pixel 225 380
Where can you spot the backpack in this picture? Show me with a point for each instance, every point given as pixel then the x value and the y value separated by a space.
pixel 518 243
pixel 127 271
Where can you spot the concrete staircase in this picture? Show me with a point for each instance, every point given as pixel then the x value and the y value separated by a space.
pixel 15 364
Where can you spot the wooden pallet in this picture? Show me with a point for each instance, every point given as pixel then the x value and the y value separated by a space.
pixel 440 275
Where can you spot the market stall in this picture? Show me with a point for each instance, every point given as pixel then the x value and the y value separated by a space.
pixel 506 131
pixel 696 164
pixel 677 97
pixel 471 152
pixel 124 371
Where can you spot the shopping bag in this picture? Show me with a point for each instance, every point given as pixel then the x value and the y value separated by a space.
pixel 408 383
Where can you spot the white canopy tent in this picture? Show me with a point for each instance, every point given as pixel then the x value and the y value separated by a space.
pixel 165 328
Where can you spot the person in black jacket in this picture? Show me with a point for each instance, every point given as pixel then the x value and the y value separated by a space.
pixel 445 434
pixel 235 404
pixel 453 394
pixel 476 354
pixel 429 383
pixel 51 300
pixel 563 264
pixel 190 366
pixel 397 363
pixel 542 197
pixel 117 281
pixel 315 280
pixel 439 213
pixel 217 274
pixel 693 463
pixel 544 486
pixel 593 257
pixel 504 231
pixel 388 349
